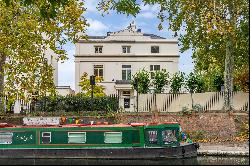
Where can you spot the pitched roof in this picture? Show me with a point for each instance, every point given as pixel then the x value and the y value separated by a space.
pixel 153 36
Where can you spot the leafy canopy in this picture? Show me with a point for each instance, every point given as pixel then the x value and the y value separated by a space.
pixel 98 90
pixel 160 80
pixel 143 81
pixel 26 34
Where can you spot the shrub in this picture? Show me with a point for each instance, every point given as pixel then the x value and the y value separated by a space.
pixel 77 103
pixel 160 80
pixel 177 81
pixel 197 108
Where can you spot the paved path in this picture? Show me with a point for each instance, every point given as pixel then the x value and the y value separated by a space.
pixel 231 149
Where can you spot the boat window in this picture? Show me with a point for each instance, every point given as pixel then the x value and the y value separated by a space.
pixel 152 137
pixel 113 137
pixel 169 136
pixel 76 137
pixel 46 137
pixel 6 137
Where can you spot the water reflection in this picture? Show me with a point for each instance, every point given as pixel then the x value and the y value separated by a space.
pixel 206 160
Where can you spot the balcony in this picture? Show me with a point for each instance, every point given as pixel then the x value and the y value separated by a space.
pixel 122 81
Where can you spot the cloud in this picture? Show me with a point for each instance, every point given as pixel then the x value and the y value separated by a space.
pixel 91 5
pixel 96 27
pixel 149 15
pixel 148 11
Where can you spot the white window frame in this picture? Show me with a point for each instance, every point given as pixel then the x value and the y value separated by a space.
pixel 84 141
pixel 126 70
pixel 99 49
pixel 127 49
pixel 46 136
pixel 98 68
pixel 153 70
pixel 8 133
pixel 107 142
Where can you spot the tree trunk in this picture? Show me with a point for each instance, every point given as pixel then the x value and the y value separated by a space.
pixel 229 60
pixel 192 100
pixel 228 75
pixel 2 62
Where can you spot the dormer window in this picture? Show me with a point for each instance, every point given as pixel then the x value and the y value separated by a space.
pixel 154 49
pixel 98 49
pixel 126 49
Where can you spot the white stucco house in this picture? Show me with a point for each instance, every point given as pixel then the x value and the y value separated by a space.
pixel 60 89
pixel 51 59
pixel 119 55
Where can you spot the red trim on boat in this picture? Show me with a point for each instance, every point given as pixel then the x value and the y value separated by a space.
pixel 137 124
pixel 5 125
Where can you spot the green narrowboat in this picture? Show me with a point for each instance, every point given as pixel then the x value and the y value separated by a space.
pixel 104 141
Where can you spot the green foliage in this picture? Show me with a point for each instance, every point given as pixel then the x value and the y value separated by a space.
pixel 143 81
pixel 177 81
pixel 160 80
pixel 191 82
pixel 198 135
pixel 195 83
pixel 201 85
pixel 242 79
pixel 25 35
pixel 123 6
pixel 185 111
pixel 243 133
pixel 216 31
pixel 48 8
pixel 77 103
pixel 98 90
pixel 217 81
pixel 197 108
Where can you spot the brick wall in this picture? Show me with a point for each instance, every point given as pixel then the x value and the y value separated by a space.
pixel 210 125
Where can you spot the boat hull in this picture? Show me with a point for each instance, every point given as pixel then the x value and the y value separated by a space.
pixel 183 151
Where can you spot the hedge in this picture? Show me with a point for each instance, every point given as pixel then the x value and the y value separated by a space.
pixel 77 104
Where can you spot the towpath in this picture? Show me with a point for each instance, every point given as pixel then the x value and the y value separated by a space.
pixel 228 149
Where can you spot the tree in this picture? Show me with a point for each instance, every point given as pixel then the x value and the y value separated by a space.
pixel 201 86
pixel 242 79
pixel 142 77
pixel 217 81
pixel 160 80
pixel 25 34
pixel 98 90
pixel 210 26
pixel 177 81
pixel 194 83
pixel 48 9
pixel 191 82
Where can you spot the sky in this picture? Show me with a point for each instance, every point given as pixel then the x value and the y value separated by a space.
pixel 146 20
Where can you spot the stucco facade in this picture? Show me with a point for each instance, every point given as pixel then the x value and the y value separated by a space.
pixel 119 55
pixel 51 58
pixel 64 90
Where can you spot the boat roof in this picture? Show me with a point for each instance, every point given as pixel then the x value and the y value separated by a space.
pixel 5 125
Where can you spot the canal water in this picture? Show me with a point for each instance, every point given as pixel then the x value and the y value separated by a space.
pixel 200 160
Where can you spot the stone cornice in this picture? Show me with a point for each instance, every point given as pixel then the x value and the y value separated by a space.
pixel 125 56
pixel 128 41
